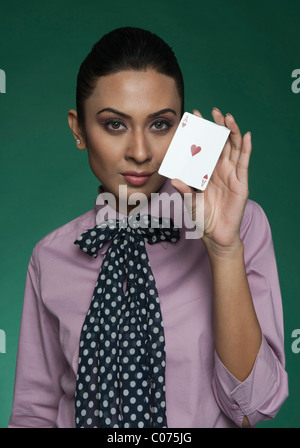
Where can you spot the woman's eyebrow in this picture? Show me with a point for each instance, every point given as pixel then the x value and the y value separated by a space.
pixel 114 111
pixel 161 112
pixel 122 114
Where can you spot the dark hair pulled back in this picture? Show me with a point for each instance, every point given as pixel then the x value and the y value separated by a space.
pixel 125 48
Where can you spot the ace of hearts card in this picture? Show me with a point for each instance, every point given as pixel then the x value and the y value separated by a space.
pixel 194 151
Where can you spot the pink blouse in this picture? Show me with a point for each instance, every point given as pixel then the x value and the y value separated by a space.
pixel 200 391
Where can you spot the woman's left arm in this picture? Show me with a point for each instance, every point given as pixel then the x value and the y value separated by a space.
pixel 238 335
pixel 224 204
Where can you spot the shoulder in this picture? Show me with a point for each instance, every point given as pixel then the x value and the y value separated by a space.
pixel 252 209
pixel 257 236
pixel 61 240
pixel 254 219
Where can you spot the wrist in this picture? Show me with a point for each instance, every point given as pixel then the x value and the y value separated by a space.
pixel 217 252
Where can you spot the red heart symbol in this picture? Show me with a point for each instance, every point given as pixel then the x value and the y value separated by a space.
pixel 204 179
pixel 195 149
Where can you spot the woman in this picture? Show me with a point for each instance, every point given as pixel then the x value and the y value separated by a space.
pixel 199 346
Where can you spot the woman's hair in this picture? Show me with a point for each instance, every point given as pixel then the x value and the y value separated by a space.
pixel 125 48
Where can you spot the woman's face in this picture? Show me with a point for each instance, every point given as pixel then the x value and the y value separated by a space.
pixel 130 120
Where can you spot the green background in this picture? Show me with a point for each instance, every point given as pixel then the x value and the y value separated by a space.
pixel 235 55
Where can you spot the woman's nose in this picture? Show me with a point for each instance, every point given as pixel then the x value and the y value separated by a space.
pixel 138 147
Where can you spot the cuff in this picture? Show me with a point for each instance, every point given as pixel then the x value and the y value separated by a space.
pixel 258 397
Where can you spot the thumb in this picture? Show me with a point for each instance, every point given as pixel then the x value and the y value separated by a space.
pixel 181 187
pixel 194 203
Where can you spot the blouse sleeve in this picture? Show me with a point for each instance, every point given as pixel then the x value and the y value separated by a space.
pixel 263 392
pixel 40 362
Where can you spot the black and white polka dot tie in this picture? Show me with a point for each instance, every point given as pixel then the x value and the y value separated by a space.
pixel 121 370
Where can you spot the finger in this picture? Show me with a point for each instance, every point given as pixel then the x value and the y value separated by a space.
pixel 196 112
pixel 236 139
pixel 235 135
pixel 220 119
pixel 218 116
pixel 244 159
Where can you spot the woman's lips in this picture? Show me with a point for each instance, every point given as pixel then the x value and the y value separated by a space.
pixel 135 178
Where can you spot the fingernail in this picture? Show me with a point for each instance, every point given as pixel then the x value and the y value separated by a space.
pixel 217 110
pixel 229 115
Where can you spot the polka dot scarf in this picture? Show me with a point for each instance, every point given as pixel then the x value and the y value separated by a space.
pixel 121 371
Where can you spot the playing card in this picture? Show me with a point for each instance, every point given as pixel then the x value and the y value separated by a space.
pixel 194 151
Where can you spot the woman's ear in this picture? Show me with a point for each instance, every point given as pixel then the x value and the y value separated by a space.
pixel 76 130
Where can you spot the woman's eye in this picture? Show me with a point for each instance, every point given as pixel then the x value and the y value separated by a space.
pixel 115 125
pixel 161 125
